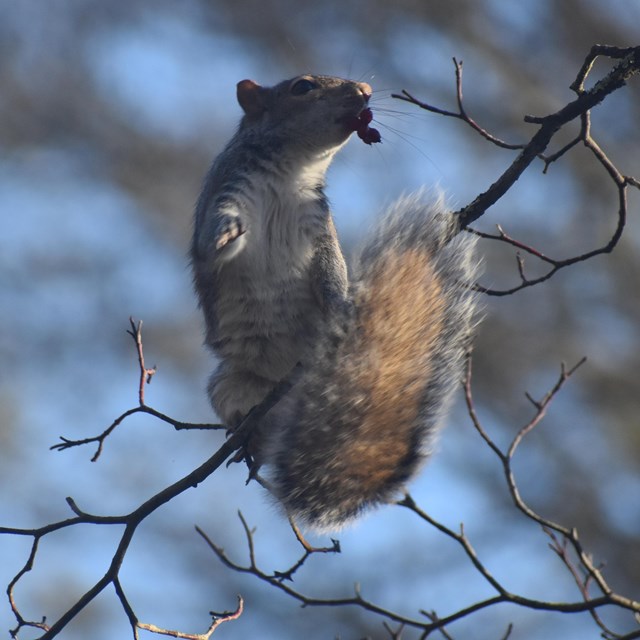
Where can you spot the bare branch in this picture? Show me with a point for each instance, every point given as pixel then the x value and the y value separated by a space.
pixel 131 521
pixel 145 376
pixel 308 551
pixel 218 619
pixel 461 114
pixel 560 546
pixel 622 183
pixel 178 425
pixel 569 536
pixel 628 66
pixel 275 579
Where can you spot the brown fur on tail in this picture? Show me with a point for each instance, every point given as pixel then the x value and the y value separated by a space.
pixel 359 423
pixel 403 308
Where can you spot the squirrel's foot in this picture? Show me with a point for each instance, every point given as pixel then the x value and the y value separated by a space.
pixel 243 455
pixel 240 455
pixel 254 468
pixel 230 228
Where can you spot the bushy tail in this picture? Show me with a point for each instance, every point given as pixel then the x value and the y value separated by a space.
pixel 356 428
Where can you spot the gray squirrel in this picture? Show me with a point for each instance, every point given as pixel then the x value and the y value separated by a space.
pixel 380 353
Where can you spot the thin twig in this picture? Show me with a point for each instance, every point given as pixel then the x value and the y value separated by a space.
pixel 593 572
pixel 145 373
pixel 461 114
pixel 218 619
pixel 275 580
pixel 132 520
pixel 628 66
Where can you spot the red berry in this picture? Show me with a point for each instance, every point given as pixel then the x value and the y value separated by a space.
pixel 366 116
pixel 360 124
pixel 373 135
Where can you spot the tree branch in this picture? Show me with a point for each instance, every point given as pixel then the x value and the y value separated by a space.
pixel 131 520
pixel 591 604
pixel 145 376
pixel 549 126
pixel 628 66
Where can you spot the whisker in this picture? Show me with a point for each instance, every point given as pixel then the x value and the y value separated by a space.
pixel 405 137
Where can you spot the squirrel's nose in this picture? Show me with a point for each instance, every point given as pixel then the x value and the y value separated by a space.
pixel 365 90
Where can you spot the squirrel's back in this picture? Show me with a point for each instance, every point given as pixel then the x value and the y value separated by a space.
pixel 359 424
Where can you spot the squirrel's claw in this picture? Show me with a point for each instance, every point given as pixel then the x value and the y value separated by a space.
pixel 231 229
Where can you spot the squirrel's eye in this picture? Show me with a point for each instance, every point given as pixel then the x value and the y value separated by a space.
pixel 303 86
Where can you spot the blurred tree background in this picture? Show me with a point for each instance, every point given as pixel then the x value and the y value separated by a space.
pixel 110 113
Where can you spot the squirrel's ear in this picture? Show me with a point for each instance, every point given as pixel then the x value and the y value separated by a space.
pixel 251 98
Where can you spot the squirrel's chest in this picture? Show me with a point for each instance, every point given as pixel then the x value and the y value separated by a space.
pixel 269 282
pixel 266 290
pixel 267 313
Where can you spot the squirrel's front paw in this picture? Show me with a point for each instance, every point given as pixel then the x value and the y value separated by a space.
pixel 229 229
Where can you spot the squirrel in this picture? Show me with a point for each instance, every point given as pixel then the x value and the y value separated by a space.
pixel 380 352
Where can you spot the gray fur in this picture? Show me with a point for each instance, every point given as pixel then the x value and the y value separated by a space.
pixel 280 271
pixel 271 280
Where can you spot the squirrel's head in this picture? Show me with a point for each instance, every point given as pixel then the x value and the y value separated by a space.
pixel 315 114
